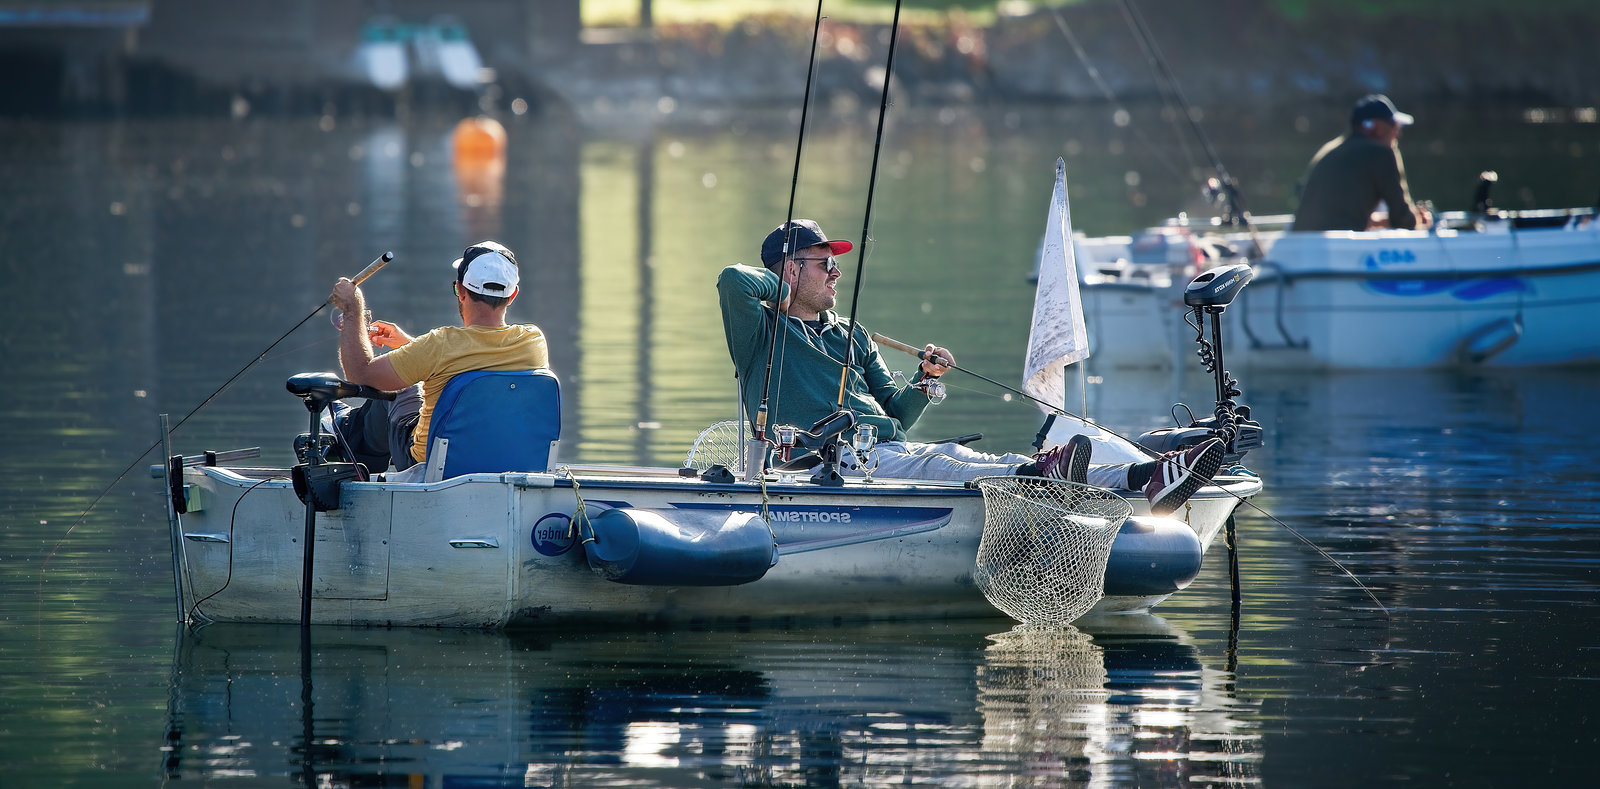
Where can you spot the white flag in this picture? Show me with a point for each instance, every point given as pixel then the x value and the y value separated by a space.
pixel 1058 337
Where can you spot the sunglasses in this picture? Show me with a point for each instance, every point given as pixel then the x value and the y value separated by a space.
pixel 829 264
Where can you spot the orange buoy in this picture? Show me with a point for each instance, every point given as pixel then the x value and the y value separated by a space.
pixel 478 139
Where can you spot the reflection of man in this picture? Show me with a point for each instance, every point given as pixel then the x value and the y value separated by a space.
pixel 1353 173
pixel 419 367
pixel 800 279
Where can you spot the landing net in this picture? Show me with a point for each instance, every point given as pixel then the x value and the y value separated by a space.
pixel 1042 558
pixel 721 444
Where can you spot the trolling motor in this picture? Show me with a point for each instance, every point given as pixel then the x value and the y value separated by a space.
pixel 317 479
pixel 1210 294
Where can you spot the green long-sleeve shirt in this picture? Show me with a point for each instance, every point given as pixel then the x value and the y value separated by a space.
pixel 1345 181
pixel 805 369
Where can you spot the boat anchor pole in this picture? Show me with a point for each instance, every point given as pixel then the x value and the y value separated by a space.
pixel 174 525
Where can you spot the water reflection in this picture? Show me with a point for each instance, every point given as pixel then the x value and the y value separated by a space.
pixel 926 703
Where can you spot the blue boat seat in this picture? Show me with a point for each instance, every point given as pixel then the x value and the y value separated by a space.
pixel 494 421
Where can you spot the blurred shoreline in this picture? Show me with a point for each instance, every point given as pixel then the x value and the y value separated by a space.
pixel 184 57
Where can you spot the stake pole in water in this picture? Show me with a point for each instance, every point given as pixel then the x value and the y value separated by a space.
pixel 174 526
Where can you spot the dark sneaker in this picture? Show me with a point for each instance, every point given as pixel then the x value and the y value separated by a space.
pixel 1068 462
pixel 1179 474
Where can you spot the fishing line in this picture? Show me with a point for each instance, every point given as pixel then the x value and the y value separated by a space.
pixel 872 185
pixel 1227 187
pixel 1111 97
pixel 372 268
pixel 233 519
pixel 1168 89
pixel 760 427
pixel 922 354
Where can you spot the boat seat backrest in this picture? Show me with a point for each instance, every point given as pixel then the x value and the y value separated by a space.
pixel 494 421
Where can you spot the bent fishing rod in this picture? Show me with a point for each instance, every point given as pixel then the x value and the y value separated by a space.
pixel 372 268
pixel 866 219
pixel 759 431
pixel 1056 410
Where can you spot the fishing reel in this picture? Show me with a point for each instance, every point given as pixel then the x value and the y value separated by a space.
pixel 1209 295
pixel 1225 196
pixel 817 447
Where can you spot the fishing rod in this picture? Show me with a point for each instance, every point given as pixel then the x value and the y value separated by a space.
pixel 372 268
pixel 1225 187
pixel 1111 98
pixel 926 355
pixel 759 431
pixel 866 220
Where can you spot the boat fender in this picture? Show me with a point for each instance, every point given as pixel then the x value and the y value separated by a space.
pixel 1152 556
pixel 673 547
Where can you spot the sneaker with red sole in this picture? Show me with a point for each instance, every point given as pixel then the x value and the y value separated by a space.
pixel 1179 474
pixel 1068 462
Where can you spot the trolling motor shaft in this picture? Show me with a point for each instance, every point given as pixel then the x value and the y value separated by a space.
pixel 1210 294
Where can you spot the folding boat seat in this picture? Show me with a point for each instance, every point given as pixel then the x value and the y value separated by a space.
pixel 489 421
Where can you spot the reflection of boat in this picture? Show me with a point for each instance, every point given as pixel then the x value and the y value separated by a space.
pixel 1510 288
pixel 446 708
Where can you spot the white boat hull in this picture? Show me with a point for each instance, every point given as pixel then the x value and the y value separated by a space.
pixel 1407 299
pixel 1374 300
pixel 499 550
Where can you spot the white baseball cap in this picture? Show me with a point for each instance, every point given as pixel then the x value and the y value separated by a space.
pixel 488 268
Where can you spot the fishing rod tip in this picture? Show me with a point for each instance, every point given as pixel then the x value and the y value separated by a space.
pixel 388 256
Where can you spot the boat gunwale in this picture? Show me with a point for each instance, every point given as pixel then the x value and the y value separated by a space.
pixel 1225 485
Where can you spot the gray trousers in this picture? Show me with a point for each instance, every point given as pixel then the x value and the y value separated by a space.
pixel 960 463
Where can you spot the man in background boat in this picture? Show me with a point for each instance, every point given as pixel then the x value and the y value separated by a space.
pixel 813 344
pixel 1355 172
pixel 486 282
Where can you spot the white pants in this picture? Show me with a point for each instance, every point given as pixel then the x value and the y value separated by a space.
pixel 953 462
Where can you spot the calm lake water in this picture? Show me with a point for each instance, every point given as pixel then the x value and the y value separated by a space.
pixel 151 260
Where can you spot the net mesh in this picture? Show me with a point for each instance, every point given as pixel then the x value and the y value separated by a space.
pixel 1042 557
pixel 720 444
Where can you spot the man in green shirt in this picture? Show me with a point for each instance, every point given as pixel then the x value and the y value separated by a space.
pixel 814 344
pixel 1353 173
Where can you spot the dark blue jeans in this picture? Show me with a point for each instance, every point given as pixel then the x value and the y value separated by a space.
pixel 379 431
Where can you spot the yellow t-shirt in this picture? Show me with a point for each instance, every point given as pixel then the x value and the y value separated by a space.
pixel 436 357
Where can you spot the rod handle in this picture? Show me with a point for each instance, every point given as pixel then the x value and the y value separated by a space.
pixel 920 353
pixel 373 267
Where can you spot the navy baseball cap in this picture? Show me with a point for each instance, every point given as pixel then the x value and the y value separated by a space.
pixel 797 235
pixel 1378 107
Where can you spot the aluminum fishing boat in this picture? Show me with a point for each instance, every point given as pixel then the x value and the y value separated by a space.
pixel 505 549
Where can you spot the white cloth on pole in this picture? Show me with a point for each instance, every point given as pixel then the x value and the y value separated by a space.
pixel 1058 336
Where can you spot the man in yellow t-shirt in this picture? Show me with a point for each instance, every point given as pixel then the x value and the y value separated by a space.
pixel 419 367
